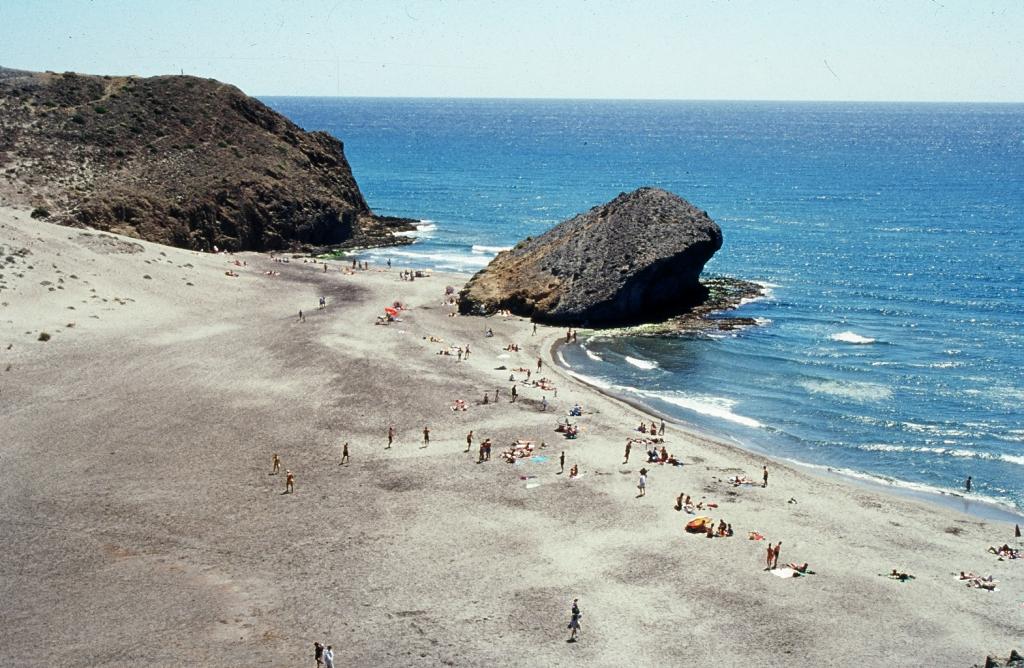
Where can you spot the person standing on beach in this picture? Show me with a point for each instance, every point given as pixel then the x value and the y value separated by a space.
pixel 574 620
pixel 661 429
pixel 515 393
pixel 765 469
pixel 469 440
pixel 302 318
pixel 318 653
pixel 629 446
pixel 642 485
pixel 967 484
pixel 495 395
pixel 276 463
pixel 544 403
pixel 391 436
pixel 344 453
pixel 775 554
pixel 540 363
pixel 561 462
pixel 329 652
pixel 289 482
pixel 426 436
pixel 534 329
pixel 769 559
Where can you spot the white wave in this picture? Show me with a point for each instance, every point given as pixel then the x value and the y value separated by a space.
pixel 950 452
pixel 647 365
pixel 493 250
pixel 856 391
pixel 718 407
pixel 590 380
pixel 763 322
pixel 422 227
pixel 562 361
pixel 851 337
pixel 594 356
pixel 457 261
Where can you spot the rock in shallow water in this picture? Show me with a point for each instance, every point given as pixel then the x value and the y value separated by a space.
pixel 635 259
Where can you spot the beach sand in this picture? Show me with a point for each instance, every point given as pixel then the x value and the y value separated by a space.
pixel 141 524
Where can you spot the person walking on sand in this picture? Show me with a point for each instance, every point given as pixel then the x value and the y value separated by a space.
pixel 289 482
pixel 469 440
pixel 534 329
pixel 276 464
pixel 540 363
pixel 391 436
pixel 426 436
pixel 515 393
pixel 765 476
pixel 629 446
pixel 661 429
pixel 318 653
pixel 775 554
pixel 561 462
pixel 967 484
pixel 642 485
pixel 344 453
pixel 544 403
pixel 302 318
pixel 495 395
pixel 574 620
pixel 329 652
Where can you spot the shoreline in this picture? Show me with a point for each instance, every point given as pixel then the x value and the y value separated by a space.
pixel 982 509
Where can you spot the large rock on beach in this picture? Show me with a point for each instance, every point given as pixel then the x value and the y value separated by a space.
pixel 635 259
pixel 178 160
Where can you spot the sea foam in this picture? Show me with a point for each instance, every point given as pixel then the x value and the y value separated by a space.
pixel 852 337
pixel 647 365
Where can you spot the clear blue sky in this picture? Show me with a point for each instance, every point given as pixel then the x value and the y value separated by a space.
pixel 956 50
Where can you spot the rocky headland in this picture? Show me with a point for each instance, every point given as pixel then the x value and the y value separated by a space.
pixel 178 160
pixel 636 259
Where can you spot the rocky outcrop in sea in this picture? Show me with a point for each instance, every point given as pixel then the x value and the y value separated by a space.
pixel 636 259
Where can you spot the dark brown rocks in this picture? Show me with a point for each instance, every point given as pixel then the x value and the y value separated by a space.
pixel 177 160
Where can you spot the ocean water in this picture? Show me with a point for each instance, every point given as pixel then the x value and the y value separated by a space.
pixel 890 238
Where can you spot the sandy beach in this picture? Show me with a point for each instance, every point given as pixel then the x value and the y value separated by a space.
pixel 143 523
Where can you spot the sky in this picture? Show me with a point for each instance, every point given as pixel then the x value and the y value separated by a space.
pixel 902 50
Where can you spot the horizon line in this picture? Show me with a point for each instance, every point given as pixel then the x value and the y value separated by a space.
pixel 629 99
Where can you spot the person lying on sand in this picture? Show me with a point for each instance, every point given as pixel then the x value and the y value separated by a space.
pixel 898 575
pixel 1005 552
pixel 800 568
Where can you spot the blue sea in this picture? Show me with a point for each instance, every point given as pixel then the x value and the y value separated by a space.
pixel 889 238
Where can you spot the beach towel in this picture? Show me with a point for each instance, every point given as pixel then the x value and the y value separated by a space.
pixel 784 572
pixel 698 525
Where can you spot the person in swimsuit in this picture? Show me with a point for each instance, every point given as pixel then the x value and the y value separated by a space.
pixel 276 463
pixel 344 453
pixel 469 439
pixel 391 436
pixel 289 482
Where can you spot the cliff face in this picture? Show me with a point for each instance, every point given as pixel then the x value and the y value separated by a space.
pixel 177 160
pixel 635 259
